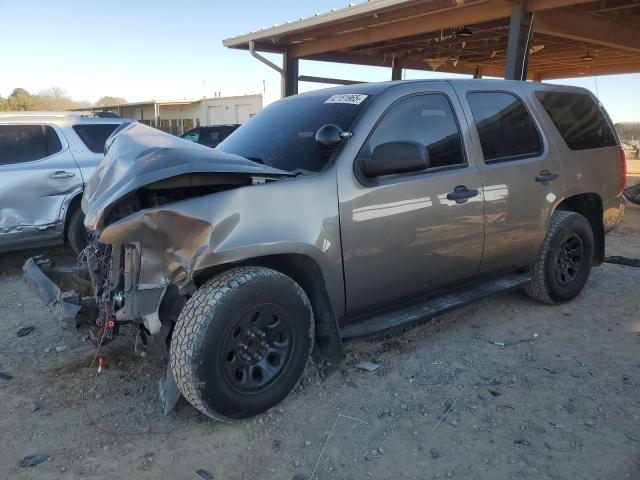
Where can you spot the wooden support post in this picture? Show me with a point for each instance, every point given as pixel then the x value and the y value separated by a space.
pixel 519 41
pixel 289 75
pixel 396 70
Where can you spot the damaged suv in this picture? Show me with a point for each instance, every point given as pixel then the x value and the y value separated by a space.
pixel 337 214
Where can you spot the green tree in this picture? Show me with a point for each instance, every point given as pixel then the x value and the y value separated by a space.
pixel 20 100
pixel 108 101
pixel 4 105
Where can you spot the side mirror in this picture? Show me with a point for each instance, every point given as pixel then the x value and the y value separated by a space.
pixel 328 137
pixel 396 157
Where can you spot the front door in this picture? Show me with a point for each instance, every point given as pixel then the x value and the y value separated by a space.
pixel 404 235
pixel 37 173
pixel 521 175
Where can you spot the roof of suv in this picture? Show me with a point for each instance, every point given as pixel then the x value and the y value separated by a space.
pixel 375 88
pixel 58 118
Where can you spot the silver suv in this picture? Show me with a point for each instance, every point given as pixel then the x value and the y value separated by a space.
pixel 337 214
pixel 45 160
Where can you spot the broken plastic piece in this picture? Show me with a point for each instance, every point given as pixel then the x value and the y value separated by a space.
pixel 102 364
pixel 169 392
pixel 368 366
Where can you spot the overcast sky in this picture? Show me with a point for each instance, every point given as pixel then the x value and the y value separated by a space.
pixel 144 49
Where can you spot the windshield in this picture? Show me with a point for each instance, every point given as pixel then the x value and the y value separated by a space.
pixel 283 134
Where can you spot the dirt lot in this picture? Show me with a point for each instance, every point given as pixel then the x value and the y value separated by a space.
pixel 560 405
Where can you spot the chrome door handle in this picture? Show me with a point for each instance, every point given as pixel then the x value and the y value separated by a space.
pixel 62 174
pixel 545 176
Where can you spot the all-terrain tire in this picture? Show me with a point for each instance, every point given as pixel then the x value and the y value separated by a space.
pixel 76 233
pixel 206 336
pixel 547 284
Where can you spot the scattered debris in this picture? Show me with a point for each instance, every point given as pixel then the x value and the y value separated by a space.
pixel 630 262
pixel 35 406
pixel 32 460
pixel 522 441
pixel 495 393
pixel 102 364
pixel 448 410
pixel 24 331
pixel 275 445
pixel 61 348
pixel 326 440
pixel 510 344
pixel 630 437
pixel 367 366
pixel 204 474
pixel 5 376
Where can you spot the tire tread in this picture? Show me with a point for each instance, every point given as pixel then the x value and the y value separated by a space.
pixel 194 321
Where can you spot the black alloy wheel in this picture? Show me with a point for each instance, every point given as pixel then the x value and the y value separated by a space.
pixel 569 259
pixel 257 348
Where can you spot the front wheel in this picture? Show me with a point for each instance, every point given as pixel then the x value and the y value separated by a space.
pixel 242 342
pixel 565 260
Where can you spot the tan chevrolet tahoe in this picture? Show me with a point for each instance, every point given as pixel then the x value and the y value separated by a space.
pixel 337 214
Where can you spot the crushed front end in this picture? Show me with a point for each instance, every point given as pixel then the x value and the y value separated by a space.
pixel 148 214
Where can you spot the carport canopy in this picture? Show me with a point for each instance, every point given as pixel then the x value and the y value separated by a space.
pixel 535 39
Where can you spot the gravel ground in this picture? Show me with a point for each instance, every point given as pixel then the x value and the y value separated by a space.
pixel 505 388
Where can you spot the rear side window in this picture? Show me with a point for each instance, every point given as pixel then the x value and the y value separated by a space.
pixel 505 127
pixel 27 143
pixel 579 119
pixel 94 136
pixel 426 119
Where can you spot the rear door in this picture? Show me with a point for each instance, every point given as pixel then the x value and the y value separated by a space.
pixel 520 173
pixel 37 174
pixel 404 235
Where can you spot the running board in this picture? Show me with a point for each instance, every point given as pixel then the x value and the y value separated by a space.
pixel 433 306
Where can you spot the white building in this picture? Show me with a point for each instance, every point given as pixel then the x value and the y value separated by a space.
pixel 178 116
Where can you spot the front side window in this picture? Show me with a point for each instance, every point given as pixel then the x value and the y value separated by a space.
pixel 579 119
pixel 426 119
pixel 283 134
pixel 27 143
pixel 505 127
pixel 95 135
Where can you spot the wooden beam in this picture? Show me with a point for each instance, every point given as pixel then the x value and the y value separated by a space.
pixel 411 10
pixel 576 24
pixel 412 64
pixel 464 15
pixel 588 72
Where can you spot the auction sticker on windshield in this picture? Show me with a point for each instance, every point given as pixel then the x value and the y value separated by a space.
pixel 351 98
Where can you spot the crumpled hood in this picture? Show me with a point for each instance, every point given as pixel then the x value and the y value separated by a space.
pixel 138 155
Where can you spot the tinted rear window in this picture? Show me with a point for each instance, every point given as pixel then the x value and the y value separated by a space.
pixel 27 143
pixel 579 119
pixel 94 136
pixel 505 128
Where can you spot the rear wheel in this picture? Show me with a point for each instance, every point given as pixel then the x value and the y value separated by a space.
pixel 565 260
pixel 242 342
pixel 76 233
